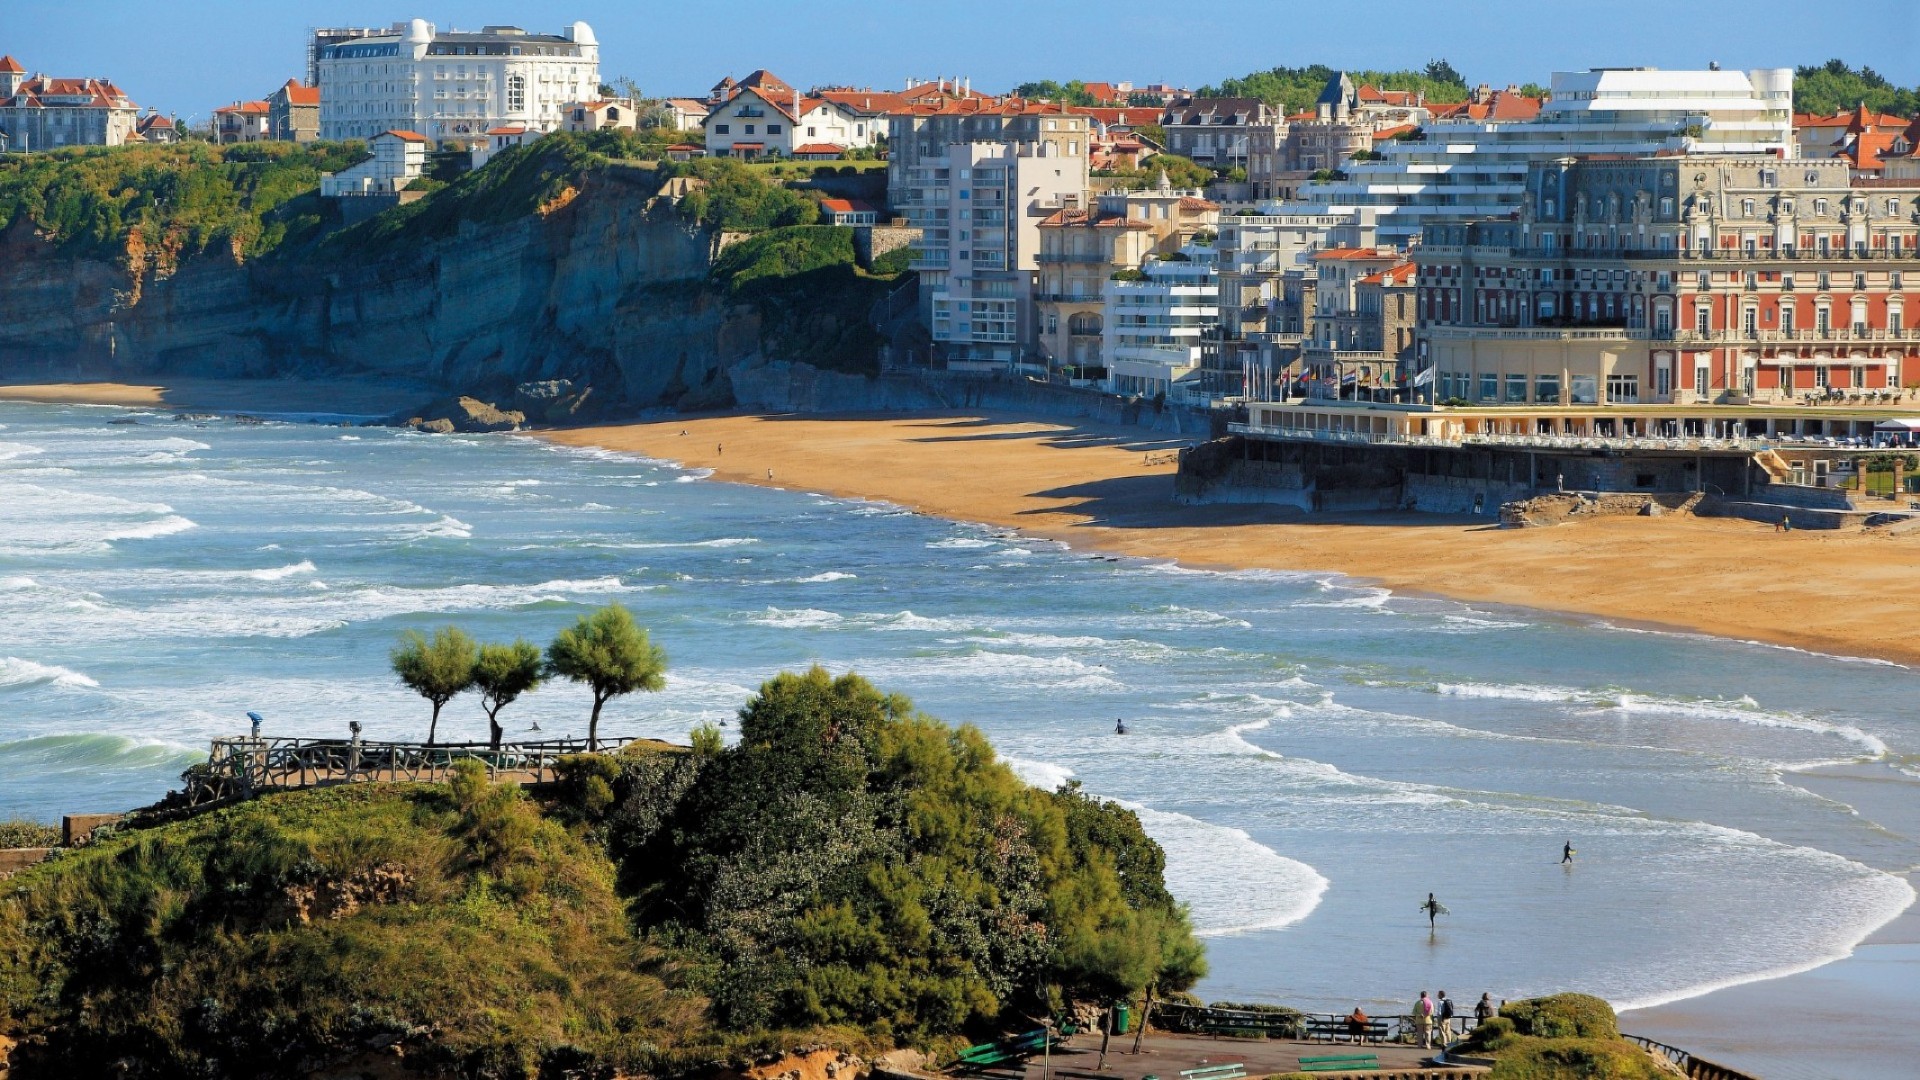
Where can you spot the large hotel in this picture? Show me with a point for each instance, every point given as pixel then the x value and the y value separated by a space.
pixel 451 84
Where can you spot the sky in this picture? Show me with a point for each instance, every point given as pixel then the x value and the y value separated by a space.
pixel 188 57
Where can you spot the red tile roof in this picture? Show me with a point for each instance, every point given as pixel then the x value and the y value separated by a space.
pixel 1500 105
pixel 847 206
pixel 1866 149
pixel 1190 203
pixel 1118 117
pixel 819 148
pixel 100 94
pixel 11 66
pixel 1384 134
pixel 1405 98
pixel 301 95
pixel 1061 219
pixel 405 136
pixel 515 130
pixel 1354 253
pixel 244 108
pixel 1392 275
pixel 1855 119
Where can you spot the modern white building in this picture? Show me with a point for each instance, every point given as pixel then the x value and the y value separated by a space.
pixel 1154 327
pixel 453 85
pixel 1458 169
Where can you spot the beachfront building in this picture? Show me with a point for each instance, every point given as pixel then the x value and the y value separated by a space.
pixel 1156 323
pixel 38 112
pixel 1268 282
pixel 1465 164
pixel 1081 249
pixel 977 177
pixel 1678 280
pixel 454 85
pixel 293 113
pixel 1362 327
pixel 399 158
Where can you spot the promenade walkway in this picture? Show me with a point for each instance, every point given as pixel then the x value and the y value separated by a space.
pixel 244 767
pixel 1166 1056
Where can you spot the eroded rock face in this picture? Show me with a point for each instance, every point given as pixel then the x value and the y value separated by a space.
pixel 803 1063
pixel 466 414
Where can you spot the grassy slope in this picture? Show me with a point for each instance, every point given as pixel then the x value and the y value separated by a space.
pixel 478 920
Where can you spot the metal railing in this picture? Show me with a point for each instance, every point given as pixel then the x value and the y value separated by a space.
pixel 1695 1068
pixel 1516 440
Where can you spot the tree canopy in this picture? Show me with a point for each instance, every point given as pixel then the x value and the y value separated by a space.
pixel 611 655
pixel 1296 88
pixel 436 668
pixel 850 861
pixel 502 673
pixel 1835 85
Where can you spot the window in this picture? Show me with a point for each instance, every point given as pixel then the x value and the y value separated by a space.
pixel 722 129
pixel 517 93
pixel 1786 282
pixel 747 129
pixel 1823 319
pixel 1826 281
pixel 1750 322
pixel 1786 319
pixel 1703 321
pixel 1820 208
pixel 773 129
pixel 1489 387
pixel 1584 390
pixel 1897 281
pixel 1703 282
pixel 1517 389
pixel 812 132
pixel 1746 207
pixel 1859 282
pixel 1894 318
pixel 1546 390
pixel 1623 388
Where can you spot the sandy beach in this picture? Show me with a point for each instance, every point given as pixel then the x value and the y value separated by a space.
pixel 1094 488
pixel 345 396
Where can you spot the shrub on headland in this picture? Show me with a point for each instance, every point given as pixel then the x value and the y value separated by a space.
pixel 1562 1037
pixel 20 833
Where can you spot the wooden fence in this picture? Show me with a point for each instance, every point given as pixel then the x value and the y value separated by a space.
pixel 242 767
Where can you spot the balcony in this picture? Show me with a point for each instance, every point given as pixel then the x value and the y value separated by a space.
pixel 1837 336
pixel 1538 333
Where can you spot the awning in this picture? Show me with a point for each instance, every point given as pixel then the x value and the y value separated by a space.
pixel 1898 424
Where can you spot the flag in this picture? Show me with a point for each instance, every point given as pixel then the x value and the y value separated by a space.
pixel 1425 377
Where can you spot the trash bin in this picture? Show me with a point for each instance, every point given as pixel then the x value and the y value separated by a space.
pixel 1122 1019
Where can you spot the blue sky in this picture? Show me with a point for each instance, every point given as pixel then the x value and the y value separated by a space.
pixel 190 56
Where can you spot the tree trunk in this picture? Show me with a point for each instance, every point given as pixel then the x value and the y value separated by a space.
pixel 593 725
pixel 434 726
pixel 493 726
pixel 1146 1013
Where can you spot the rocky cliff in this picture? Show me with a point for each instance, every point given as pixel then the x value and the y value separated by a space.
pixel 605 285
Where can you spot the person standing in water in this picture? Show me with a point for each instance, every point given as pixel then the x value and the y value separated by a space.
pixel 1566 853
pixel 1433 908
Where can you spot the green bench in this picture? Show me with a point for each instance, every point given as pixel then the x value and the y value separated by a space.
pixel 1215 1072
pixel 1340 1063
pixel 1005 1052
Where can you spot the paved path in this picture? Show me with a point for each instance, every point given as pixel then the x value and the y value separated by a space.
pixel 1166 1055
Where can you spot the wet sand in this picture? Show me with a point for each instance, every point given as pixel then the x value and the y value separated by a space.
pixel 328 397
pixel 1847 593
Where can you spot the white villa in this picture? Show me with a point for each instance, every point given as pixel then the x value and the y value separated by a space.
pixel 399 158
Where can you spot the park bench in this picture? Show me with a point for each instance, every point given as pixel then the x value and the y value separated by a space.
pixel 1005 1052
pixel 1334 1029
pixel 1215 1072
pixel 1340 1063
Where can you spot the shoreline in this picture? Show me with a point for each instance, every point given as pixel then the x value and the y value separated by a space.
pixel 1832 595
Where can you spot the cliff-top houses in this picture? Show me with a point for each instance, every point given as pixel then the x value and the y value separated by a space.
pixel 42 112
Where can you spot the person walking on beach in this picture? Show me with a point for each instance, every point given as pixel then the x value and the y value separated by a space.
pixel 1566 853
pixel 1423 1020
pixel 1433 908
pixel 1446 1018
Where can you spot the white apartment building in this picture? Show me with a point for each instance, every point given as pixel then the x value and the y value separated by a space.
pixel 978 179
pixel 1471 169
pixel 453 85
pixel 1154 327
pixel 399 158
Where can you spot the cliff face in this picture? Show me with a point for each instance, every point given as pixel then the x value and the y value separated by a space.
pixel 604 287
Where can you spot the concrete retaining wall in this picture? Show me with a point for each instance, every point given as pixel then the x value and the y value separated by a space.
pixel 14 860
pixel 1457 495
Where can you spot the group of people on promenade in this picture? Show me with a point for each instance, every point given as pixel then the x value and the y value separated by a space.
pixel 1432 1018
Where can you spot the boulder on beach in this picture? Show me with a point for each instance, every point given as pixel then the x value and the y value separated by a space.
pixel 464 414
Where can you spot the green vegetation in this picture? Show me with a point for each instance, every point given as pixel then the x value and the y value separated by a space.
pixel 19 832
pixel 271 937
pixel 436 668
pixel 1181 173
pixel 1835 85
pixel 812 297
pixel 1296 88
pixel 172 201
pixel 1071 92
pixel 611 655
pixel 519 182
pixel 851 871
pixel 851 861
pixel 732 197
pixel 1563 1037
pixel 502 673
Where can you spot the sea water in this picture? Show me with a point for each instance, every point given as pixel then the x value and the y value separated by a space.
pixel 1316 756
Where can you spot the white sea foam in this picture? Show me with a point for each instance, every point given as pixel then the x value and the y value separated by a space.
pixel 15 672
pixel 801 619
pixel 1232 883
pixel 962 543
pixel 1507 692
pixel 1041 774
pixel 722 542
pixel 830 575
pixel 1746 711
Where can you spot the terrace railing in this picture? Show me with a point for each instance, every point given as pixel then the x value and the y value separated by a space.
pixel 244 766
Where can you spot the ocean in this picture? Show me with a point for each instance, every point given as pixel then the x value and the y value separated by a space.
pixel 1315 755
